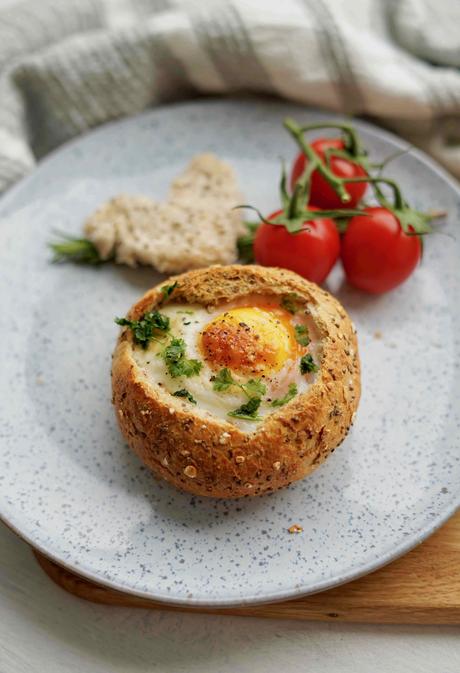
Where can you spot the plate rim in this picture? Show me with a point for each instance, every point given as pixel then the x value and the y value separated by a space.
pixel 284 594
pixel 275 597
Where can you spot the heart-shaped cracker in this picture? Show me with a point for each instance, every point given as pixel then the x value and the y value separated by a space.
pixel 195 227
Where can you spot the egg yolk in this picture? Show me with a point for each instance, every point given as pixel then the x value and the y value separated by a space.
pixel 249 340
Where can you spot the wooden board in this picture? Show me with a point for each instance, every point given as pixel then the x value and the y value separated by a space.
pixel 422 587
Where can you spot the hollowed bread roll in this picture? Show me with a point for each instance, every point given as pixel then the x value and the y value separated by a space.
pixel 251 381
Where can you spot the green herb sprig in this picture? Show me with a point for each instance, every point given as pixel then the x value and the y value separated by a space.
pixel 148 328
pixel 307 364
pixel 224 379
pixel 166 292
pixel 77 250
pixel 245 242
pixel 301 335
pixel 254 390
pixel 176 361
pixel 290 302
pixel 183 392
pixel 248 411
pixel 292 392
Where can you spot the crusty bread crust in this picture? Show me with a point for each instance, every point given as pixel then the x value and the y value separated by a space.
pixel 210 457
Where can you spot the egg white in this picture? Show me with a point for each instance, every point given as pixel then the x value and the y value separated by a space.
pixel 187 321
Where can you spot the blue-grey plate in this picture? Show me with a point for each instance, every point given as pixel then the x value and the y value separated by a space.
pixel 68 483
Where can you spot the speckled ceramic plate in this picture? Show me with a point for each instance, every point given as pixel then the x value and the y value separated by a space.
pixel 70 486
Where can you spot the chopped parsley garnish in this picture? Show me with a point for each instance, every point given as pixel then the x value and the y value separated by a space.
pixel 254 387
pixel 187 312
pixel 292 392
pixel 248 411
pixel 301 335
pixel 183 392
pixel 224 379
pixel 167 291
pixel 177 363
pixel 289 302
pixel 307 364
pixel 147 328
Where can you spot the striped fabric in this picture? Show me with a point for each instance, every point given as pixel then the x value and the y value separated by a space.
pixel 68 65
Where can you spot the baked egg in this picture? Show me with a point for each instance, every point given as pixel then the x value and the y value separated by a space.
pixel 245 359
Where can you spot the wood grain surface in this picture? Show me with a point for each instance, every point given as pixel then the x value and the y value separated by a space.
pixel 422 587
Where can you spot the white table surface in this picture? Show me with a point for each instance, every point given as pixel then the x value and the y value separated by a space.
pixel 45 630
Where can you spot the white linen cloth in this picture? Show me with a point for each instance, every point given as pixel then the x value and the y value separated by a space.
pixel 68 65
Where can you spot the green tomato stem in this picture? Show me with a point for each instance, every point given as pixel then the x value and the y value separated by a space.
pixel 398 200
pixel 352 141
pixel 337 184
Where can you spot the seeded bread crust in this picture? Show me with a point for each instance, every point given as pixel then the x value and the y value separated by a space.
pixel 210 457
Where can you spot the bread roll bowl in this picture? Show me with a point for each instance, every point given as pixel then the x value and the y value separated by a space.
pixel 212 456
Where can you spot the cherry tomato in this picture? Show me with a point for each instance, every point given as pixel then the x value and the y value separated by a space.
pixel 376 253
pixel 322 194
pixel 311 252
